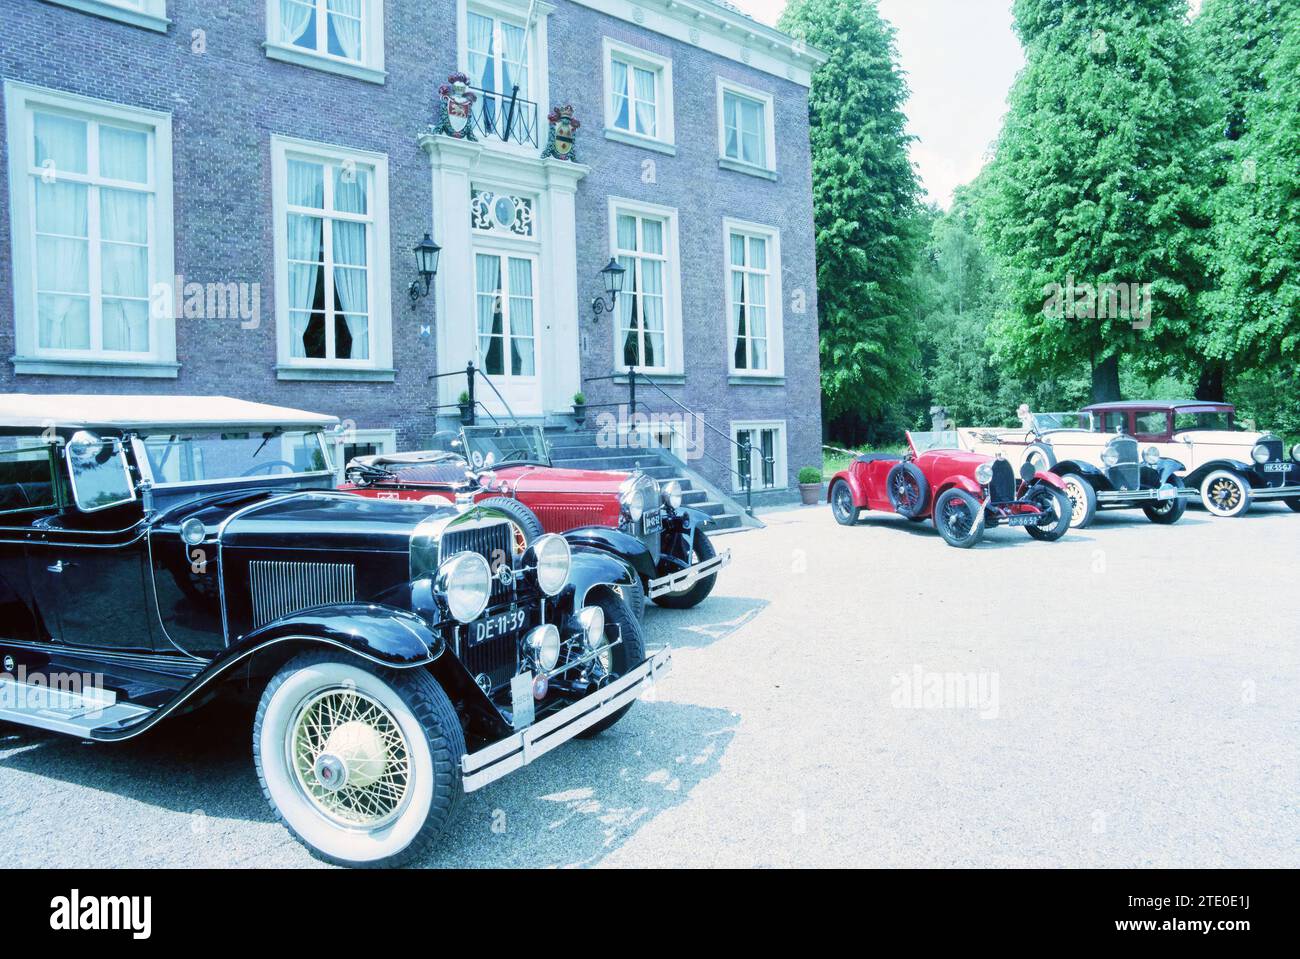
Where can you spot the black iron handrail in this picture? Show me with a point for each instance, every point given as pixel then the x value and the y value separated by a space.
pixel 745 448
pixel 512 118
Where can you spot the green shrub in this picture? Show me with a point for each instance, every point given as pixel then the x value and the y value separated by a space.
pixel 810 474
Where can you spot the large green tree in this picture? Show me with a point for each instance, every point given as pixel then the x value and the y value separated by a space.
pixel 865 203
pixel 1097 179
pixel 1251 313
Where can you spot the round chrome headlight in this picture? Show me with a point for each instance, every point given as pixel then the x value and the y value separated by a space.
pixel 193 531
pixel 1110 456
pixel 465 585
pixel 672 494
pixel 1151 456
pixel 544 643
pixel 1295 452
pixel 1260 453
pixel 637 495
pixel 553 561
pixel 984 474
pixel 592 621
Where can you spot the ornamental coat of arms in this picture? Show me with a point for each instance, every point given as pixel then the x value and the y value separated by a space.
pixel 563 127
pixel 455 108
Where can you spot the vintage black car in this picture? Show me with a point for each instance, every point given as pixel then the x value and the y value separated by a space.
pixel 156 553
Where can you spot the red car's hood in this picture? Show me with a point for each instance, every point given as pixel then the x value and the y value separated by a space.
pixel 551 479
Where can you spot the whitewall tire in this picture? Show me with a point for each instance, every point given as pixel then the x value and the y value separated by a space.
pixel 361 764
pixel 1083 500
pixel 1225 493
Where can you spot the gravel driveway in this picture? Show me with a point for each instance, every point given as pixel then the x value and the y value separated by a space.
pixel 868 696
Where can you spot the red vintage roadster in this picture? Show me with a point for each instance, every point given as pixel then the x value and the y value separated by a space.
pixel 964 492
pixel 629 515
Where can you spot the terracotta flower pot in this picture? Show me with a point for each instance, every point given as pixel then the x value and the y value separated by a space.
pixel 811 493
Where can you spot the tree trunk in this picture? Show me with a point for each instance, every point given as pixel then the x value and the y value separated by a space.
pixel 1105 380
pixel 1210 385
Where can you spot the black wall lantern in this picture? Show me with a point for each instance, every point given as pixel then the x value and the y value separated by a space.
pixel 612 275
pixel 426 261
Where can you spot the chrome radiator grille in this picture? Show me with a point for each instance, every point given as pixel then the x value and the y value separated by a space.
pixel 493 541
pixel 1127 473
pixel 280 588
pixel 1002 488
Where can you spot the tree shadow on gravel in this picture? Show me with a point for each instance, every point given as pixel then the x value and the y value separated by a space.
pixel 714 619
pixel 586 799
pixel 203 760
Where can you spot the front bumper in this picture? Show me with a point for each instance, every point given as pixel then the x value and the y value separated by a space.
pixel 1154 495
pixel 490 763
pixel 688 577
pixel 1275 492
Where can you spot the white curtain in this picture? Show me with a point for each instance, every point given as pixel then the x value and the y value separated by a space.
pixel 124 154
pixel 514 58
pixel 350 284
pixel 628 323
pixel 306 188
pixel 345 17
pixel 645 102
pixel 618 80
pixel 480 51
pixel 62 265
pixel 61 142
pixel 294 18
pixel 490 333
pixel 522 362
pixel 124 255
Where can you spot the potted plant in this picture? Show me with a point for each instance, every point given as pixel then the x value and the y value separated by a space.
pixel 466 408
pixel 810 485
pixel 579 408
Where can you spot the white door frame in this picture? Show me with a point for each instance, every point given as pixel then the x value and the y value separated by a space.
pixel 522 393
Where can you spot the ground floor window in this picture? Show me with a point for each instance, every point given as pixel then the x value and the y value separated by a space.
pixel 766 466
pixel 503 288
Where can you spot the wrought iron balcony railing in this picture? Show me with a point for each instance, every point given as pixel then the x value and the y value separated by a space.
pixel 504 116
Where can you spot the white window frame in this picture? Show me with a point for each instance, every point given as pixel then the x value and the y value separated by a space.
pixel 672 282
pixel 379 365
pixel 516 12
pixel 780 455
pixel 768 167
pixel 775 296
pixel 662 68
pixel 22 101
pixel 371 65
pixel 385 440
pixel 149 14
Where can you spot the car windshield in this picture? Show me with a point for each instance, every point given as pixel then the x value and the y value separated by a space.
pixel 1207 420
pixel 945 440
pixel 213 457
pixel 1046 422
pixel 491 446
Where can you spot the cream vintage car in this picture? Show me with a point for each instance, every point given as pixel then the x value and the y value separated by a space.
pixel 1231 468
pixel 1100 468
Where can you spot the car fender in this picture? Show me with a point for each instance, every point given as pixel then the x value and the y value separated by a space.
pixel 1167 468
pixel 693 522
pixel 1197 476
pixel 591 569
pixel 615 542
pixel 1050 478
pixel 859 494
pixel 385 635
pixel 962 483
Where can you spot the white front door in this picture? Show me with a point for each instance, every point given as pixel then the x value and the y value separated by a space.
pixel 505 294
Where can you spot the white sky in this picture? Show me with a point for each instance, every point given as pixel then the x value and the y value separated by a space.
pixel 960 57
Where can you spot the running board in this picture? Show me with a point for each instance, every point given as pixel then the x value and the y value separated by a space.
pixel 65 711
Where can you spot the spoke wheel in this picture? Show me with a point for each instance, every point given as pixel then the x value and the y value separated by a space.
pixel 1224 493
pixel 350 759
pixel 1055 504
pixel 846 514
pixel 959 518
pixel 1083 500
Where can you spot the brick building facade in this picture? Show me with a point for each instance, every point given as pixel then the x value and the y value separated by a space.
pixel 223 197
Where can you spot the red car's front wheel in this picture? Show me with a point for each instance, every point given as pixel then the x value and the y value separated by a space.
pixel 959 518
pixel 842 506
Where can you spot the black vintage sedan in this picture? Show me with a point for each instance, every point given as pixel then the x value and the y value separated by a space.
pixel 158 552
